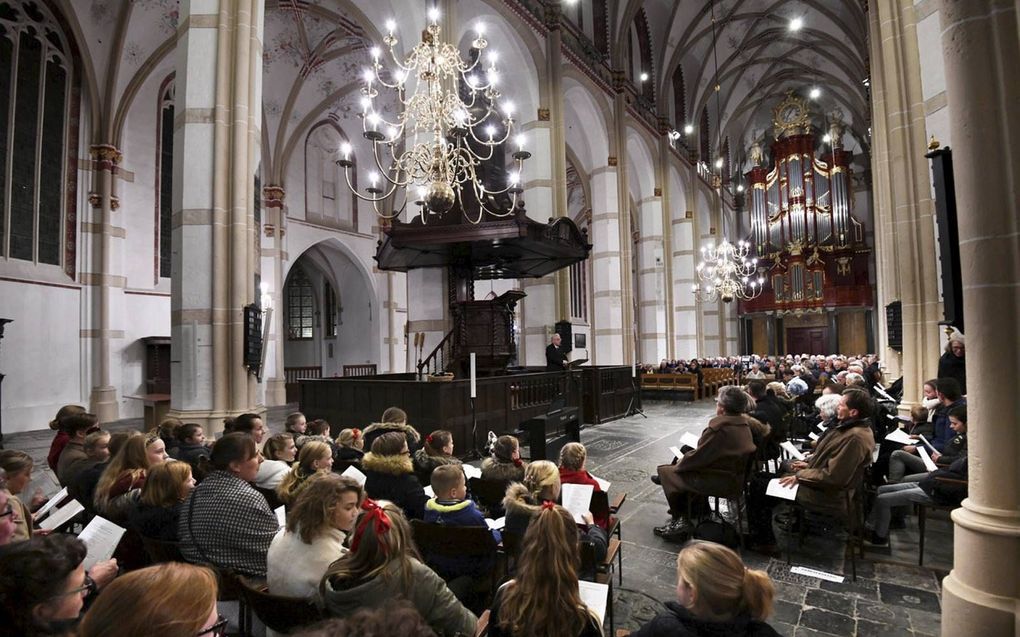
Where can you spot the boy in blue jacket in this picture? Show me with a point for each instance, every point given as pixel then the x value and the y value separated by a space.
pixel 452 507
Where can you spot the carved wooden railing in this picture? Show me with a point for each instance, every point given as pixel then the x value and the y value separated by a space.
pixel 440 358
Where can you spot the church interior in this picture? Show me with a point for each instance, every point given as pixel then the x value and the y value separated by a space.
pixel 212 210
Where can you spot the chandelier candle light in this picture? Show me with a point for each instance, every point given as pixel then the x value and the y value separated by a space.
pixel 438 139
pixel 726 273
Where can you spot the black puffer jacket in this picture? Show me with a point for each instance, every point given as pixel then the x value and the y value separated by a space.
pixel 377 429
pixel 677 621
pixel 392 478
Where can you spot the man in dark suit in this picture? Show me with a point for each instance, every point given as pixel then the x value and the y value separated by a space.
pixel 555 357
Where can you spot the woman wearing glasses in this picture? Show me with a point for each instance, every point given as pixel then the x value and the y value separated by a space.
pixel 169 600
pixel 43 585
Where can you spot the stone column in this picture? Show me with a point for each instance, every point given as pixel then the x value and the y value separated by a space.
pixel 610 331
pixel 980 44
pixel 623 227
pixel 662 178
pixel 685 309
pixel 558 141
pixel 103 396
pixel 273 255
pixel 219 75
pixel 651 281
pixel 902 193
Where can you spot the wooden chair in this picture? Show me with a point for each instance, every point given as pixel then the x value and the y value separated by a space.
pixel 603 570
pixel 735 491
pixel 483 624
pixel 231 590
pixel 488 494
pixel 922 516
pixel 160 551
pixel 271 498
pixel 601 508
pixel 279 613
pixel 468 542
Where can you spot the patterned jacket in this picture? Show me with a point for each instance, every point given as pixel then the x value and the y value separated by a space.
pixel 227 523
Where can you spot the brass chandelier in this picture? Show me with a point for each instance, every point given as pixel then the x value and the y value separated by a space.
pixel 450 120
pixel 726 273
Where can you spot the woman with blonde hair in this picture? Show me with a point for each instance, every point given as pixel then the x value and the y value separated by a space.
pixel 279 452
pixel 122 480
pixel 315 458
pixel 170 600
pixel 317 526
pixel 350 445
pixel 715 595
pixel 166 486
pixel 382 565
pixel 543 598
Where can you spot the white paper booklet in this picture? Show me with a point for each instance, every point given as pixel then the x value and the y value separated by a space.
pixel 777 490
pixel 577 499
pixel 900 436
pixel 810 572
pixel 790 449
pixel 429 491
pixel 101 538
pixel 497 524
pixel 62 515
pixel 929 464
pixel 472 471
pixel 52 502
pixel 689 440
pixel 281 515
pixel 355 474
pixel 676 452
pixel 603 484
pixel 595 596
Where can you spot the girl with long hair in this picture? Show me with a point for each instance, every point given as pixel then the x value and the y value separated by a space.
pixel 279 452
pixel 715 595
pixel 389 475
pixel 383 564
pixel 505 463
pixel 18 466
pixel 315 458
pixel 543 599
pixel 436 451
pixel 318 524
pixel 166 486
pixel 350 444
pixel 125 473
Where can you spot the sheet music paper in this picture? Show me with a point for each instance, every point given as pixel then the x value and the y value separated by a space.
pixel 689 440
pixel 925 441
pixel 281 515
pixel 52 502
pixel 429 491
pixel 777 490
pixel 810 572
pixel 62 515
pixel 676 452
pixel 813 436
pixel 603 484
pixel 595 596
pixel 793 451
pixel 900 436
pixel 472 471
pixel 355 474
pixel 928 463
pixel 577 499
pixel 101 538
pixel 497 524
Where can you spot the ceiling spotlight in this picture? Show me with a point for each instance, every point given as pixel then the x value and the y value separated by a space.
pixel 719 163
pixel 688 129
pixel 644 77
pixel 796 24
pixel 740 188
pixel 827 138
pixel 815 93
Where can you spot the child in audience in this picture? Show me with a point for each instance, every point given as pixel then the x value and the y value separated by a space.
pixel 84 489
pixel 166 485
pixel 170 600
pixel 435 452
pixel 279 453
pixel 384 565
pixel 18 465
pixel 296 425
pixel 250 424
pixel 155 448
pixel 451 507
pixel 317 526
pixel 191 444
pixel 505 463
pixel 893 501
pixel 10 514
pixel 167 430
pixel 543 597
pixel 73 459
pixel 125 474
pixel 389 475
pixel 319 430
pixel 393 419
pixel 715 595
pixel 350 446
pixel 97 445
pixel 573 456
pixel 60 438
pixel 315 458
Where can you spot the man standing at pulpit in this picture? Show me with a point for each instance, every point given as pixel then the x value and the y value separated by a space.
pixel 555 357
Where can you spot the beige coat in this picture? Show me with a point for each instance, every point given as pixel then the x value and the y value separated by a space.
pixel 839 455
pixel 718 464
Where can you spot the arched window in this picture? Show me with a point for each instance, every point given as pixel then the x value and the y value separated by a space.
pixel 300 306
pixel 165 178
pixel 36 93
pixel 328 200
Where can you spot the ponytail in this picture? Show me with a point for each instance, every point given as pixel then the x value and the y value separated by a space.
pixel 725 587
pixel 758 594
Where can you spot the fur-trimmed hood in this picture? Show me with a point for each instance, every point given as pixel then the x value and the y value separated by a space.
pixel 392 465
pixel 519 501
pixel 380 428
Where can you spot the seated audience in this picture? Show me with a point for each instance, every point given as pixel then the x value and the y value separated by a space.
pixel 952 363
pixel 279 453
pixel 122 480
pixel 755 373
pixel 73 459
pixel 918 426
pixel 224 521
pixel 436 451
pixel 191 444
pixel 541 485
pixel 827 405
pixel 451 507
pixel 350 446
pixel 167 484
pixel 718 464
pixel 169 600
pixel 18 467
pixel 43 585
pixel 317 526
pixel 390 475
pixel 250 424
pixel 893 501
pixel 296 425
pixel 393 419
pixel 315 458
pixel 840 455
pixel 715 595
pixel 906 464
pixel 505 462
pixel 155 448
pixel 167 430
pixel 319 430
pixel 768 410
pixel 382 565
pixel 60 438
pixel 573 457
pixel 543 598
pixel 85 489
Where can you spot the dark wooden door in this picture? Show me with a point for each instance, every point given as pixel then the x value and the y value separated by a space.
pixel 807 340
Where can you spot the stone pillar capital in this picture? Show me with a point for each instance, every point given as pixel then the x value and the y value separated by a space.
pixel 106 154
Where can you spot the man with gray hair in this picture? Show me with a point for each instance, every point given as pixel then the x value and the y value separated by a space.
pixel 717 465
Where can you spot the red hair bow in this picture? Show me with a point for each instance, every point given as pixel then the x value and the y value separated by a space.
pixel 380 522
pixel 428 439
pixel 518 462
pixel 356 433
pixel 548 505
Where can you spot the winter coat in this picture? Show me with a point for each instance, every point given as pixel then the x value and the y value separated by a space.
pixel 521 507
pixel 392 478
pixel 953 366
pixel 426 591
pixel 60 441
pixel 271 474
pixel 568 476
pixel 457 513
pixel 677 621
pixel 191 453
pixel 158 523
pixel 424 464
pixel 294 568
pixel 954 449
pixel 349 454
pixel 377 429
pixel 943 433
pixel 840 453
pixel 73 460
pixel 718 464
pixel 493 469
